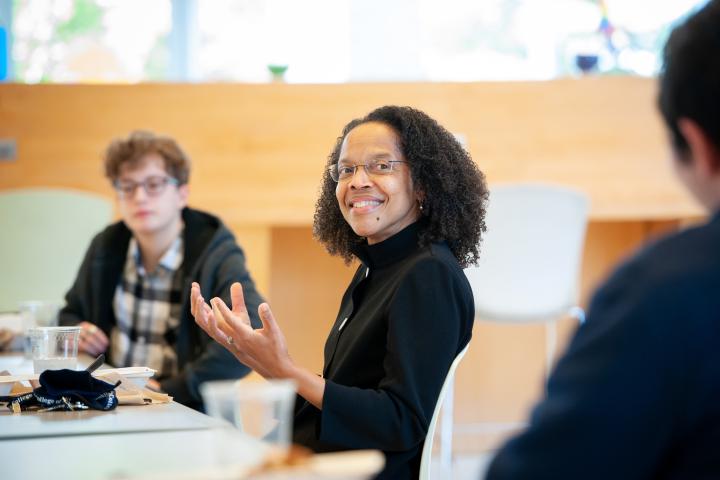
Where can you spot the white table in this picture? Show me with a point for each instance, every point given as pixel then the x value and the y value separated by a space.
pixel 117 456
pixel 17 364
pixel 123 419
pixel 144 442
pixel 129 441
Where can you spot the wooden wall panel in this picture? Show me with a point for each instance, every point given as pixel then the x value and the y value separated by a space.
pixel 305 292
pixel 256 242
pixel 258 152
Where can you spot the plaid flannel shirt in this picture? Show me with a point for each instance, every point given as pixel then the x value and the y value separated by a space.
pixel 147 311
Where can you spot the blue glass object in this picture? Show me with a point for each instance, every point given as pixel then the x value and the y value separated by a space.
pixel 586 63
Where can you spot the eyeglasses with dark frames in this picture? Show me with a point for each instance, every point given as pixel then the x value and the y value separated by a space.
pixel 153 186
pixel 341 172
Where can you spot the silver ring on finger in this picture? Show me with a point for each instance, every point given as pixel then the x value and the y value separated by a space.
pixel 229 340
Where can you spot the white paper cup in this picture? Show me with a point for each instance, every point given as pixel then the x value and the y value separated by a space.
pixel 54 348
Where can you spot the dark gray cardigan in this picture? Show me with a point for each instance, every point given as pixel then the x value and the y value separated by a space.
pixel 211 258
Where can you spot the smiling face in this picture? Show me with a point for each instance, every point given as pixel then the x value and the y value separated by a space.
pixel 150 215
pixel 376 206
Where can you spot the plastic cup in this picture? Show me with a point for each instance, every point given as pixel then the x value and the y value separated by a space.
pixel 37 313
pixel 264 410
pixel 220 397
pixel 260 409
pixel 54 348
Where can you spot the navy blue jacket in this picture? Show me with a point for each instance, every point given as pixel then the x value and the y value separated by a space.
pixel 637 395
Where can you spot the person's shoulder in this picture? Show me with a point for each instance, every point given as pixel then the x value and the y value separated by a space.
pixel 433 253
pixel 205 228
pixel 199 219
pixel 669 272
pixel 209 242
pixel 442 252
pixel 663 298
pixel 116 235
pixel 686 253
pixel 433 278
pixel 436 259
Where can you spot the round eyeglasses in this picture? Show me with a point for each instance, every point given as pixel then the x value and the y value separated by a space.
pixel 340 171
pixel 153 186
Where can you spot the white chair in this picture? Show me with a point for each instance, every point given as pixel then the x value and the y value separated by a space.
pixel 530 257
pixel 45 233
pixel 444 403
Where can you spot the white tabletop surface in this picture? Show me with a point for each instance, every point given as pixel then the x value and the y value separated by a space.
pixel 127 442
pixel 148 442
pixel 190 454
pixel 123 419
pixel 15 363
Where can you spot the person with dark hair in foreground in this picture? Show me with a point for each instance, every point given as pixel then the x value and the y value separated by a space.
pixel 131 295
pixel 402 196
pixel 637 394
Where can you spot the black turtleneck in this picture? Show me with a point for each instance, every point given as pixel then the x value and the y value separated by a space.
pixel 406 314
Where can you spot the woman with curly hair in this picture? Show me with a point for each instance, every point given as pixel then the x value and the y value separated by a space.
pixel 403 197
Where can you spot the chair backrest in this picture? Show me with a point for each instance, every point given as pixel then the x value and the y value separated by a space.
pixel 45 233
pixel 530 254
pixel 447 387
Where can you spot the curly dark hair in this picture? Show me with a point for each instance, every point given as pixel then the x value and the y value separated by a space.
pixel 455 191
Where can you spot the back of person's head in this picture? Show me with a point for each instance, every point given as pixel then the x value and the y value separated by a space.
pixel 130 152
pixel 690 78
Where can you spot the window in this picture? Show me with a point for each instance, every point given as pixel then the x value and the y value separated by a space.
pixel 242 40
pixel 466 40
pixel 90 40
pixel 320 41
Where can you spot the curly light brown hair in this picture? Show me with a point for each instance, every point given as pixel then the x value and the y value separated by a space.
pixel 129 151
pixel 454 189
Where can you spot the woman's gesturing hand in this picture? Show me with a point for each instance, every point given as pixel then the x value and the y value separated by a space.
pixel 264 350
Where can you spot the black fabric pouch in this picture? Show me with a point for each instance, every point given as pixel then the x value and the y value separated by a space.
pixel 67 390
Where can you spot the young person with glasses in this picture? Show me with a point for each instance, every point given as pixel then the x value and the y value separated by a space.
pixel 401 196
pixel 131 295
